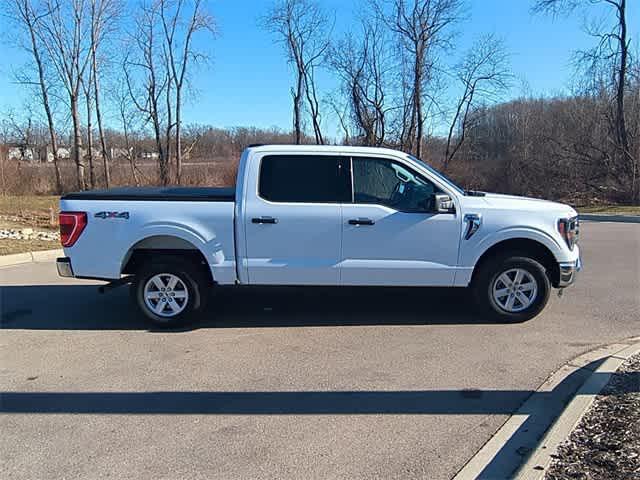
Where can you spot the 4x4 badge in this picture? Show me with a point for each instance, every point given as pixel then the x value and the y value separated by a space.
pixel 105 215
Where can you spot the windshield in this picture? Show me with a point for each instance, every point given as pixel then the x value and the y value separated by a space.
pixel 438 174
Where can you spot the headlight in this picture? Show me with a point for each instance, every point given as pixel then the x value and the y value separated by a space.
pixel 569 228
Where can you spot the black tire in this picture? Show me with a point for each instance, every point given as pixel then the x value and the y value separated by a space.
pixel 193 281
pixel 487 277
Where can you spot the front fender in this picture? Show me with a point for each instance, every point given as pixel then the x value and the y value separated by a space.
pixel 473 251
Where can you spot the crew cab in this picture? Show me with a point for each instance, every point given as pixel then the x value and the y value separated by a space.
pixel 325 216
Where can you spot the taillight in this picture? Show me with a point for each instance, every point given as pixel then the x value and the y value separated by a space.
pixel 71 226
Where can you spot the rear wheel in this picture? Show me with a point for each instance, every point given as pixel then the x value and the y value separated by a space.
pixel 511 288
pixel 169 292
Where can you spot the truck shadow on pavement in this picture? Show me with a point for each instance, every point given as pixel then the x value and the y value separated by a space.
pixel 537 408
pixel 81 307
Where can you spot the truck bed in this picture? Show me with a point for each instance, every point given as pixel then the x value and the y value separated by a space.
pixel 171 194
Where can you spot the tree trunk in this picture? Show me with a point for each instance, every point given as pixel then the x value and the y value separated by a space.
pixel 54 150
pixel 95 25
pixel 621 126
pixel 178 138
pixel 77 143
pixel 162 163
pixel 53 139
pixel 131 152
pixel 167 138
pixel 132 164
pixel 314 106
pixel 417 98
pixel 92 173
pixel 103 144
pixel 297 96
pixel 45 101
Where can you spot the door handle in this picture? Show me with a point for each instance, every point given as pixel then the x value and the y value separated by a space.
pixel 361 221
pixel 269 220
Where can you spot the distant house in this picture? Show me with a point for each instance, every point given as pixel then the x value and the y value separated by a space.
pixel 20 153
pixel 149 155
pixel 42 154
pixel 46 153
pixel 117 152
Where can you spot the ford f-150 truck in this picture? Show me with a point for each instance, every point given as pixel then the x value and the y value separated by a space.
pixel 320 215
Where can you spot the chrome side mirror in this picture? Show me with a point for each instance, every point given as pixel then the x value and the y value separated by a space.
pixel 444 203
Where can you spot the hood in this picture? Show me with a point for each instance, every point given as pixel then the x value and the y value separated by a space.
pixel 514 202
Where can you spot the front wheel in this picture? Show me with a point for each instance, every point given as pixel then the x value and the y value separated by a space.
pixel 169 293
pixel 511 288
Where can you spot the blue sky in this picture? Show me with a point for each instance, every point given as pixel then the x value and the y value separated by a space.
pixel 248 80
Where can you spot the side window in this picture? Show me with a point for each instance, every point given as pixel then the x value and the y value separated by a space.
pixel 303 179
pixel 385 182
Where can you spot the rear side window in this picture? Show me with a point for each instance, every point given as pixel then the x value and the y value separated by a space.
pixel 304 179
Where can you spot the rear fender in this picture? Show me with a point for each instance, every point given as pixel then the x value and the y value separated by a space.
pixel 159 235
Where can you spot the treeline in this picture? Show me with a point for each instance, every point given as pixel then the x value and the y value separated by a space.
pixel 110 77
pixel 556 148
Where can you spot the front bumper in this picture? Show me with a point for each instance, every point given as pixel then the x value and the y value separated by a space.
pixel 63 264
pixel 569 272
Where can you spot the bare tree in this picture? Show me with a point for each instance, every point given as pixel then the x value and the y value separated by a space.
pixel 179 53
pixel 608 63
pixel 23 134
pixel 312 100
pixel 88 97
pixel 103 16
pixel 127 123
pixel 29 19
pixel 143 63
pixel 162 54
pixel 421 27
pixel 4 153
pixel 483 74
pixel 362 64
pixel 341 109
pixel 303 28
pixel 65 33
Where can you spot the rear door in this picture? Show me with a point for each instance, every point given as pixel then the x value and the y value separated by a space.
pixel 294 224
pixel 391 233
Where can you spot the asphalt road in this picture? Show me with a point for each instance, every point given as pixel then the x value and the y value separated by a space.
pixel 285 383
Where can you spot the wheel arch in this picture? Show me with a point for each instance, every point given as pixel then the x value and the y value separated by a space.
pixel 156 247
pixel 525 247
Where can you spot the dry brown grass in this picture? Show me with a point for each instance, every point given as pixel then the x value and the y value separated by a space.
pixel 611 209
pixel 22 178
pixel 8 247
pixel 38 212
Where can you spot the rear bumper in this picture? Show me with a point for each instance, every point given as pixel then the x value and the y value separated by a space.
pixel 63 264
pixel 569 272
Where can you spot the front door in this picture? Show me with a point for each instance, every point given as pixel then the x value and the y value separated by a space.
pixel 293 225
pixel 391 233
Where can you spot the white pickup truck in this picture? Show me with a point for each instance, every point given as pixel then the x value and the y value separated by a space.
pixel 321 215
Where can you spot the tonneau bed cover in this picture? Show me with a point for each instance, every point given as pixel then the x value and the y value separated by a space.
pixel 174 194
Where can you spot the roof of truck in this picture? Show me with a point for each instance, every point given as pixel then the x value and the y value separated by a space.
pixel 322 148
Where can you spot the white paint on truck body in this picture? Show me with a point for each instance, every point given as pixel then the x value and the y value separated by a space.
pixel 314 243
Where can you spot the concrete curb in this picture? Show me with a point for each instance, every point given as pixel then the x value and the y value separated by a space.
pixel 30 257
pixel 596 217
pixel 536 467
pixel 524 441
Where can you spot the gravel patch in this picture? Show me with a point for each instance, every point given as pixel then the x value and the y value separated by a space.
pixel 28 234
pixel 606 443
